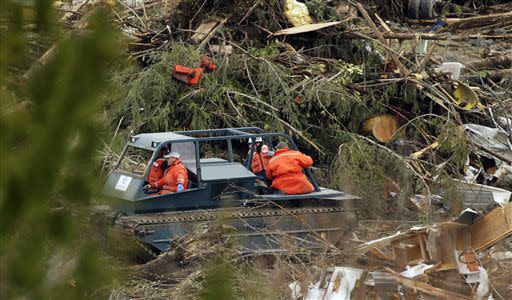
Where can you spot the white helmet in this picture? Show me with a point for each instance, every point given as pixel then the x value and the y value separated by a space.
pixel 173 154
pixel 258 140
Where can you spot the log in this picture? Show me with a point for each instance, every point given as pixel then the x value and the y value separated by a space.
pixel 424 36
pixel 494 75
pixel 479 21
pixel 495 62
pixel 383 127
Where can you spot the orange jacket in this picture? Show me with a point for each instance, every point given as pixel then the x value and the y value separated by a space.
pixel 286 170
pixel 259 162
pixel 156 172
pixel 173 175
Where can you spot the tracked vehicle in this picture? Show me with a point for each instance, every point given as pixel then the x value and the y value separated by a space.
pixel 221 189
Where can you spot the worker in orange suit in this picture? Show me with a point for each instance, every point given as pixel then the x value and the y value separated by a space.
pixel 158 167
pixel 175 177
pixel 260 161
pixel 285 168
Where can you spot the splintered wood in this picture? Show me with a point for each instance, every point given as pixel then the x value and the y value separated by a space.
pixel 492 227
pixel 428 289
pixel 438 242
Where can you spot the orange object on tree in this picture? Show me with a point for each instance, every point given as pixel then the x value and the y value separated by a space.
pixel 173 176
pixel 207 63
pixel 286 169
pixel 188 75
pixel 156 172
pixel 191 76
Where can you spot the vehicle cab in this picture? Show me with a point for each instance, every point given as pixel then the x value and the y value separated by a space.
pixel 213 181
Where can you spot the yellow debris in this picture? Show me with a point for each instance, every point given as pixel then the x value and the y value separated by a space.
pixel 297 13
pixel 465 95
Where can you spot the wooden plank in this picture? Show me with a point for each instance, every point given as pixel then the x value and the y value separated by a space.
pixel 305 28
pixel 210 35
pixel 203 30
pixel 428 289
pixel 445 266
pixel 491 228
pixel 408 251
pixel 378 254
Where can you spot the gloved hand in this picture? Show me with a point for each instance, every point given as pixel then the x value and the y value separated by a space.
pixel 180 187
pixel 146 187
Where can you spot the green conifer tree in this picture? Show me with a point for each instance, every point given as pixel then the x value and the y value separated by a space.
pixel 49 138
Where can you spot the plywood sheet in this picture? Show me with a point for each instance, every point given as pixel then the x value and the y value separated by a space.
pixel 491 228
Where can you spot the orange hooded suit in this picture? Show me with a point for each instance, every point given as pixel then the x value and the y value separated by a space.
pixel 259 162
pixel 176 173
pixel 286 170
pixel 156 172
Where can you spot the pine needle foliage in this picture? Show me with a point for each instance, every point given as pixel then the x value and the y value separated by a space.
pixel 249 88
pixel 367 171
pixel 49 140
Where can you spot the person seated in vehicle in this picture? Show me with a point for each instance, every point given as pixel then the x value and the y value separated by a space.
pixel 260 160
pixel 175 178
pixel 258 142
pixel 158 167
pixel 285 168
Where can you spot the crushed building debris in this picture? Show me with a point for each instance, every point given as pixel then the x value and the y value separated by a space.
pixel 420 254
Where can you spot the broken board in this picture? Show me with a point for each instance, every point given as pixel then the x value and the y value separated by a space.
pixel 203 30
pixel 305 28
pixel 492 227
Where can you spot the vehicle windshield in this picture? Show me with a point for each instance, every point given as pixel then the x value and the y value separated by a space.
pixel 135 161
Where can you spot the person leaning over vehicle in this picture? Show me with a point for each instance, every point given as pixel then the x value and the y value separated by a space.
pixel 285 168
pixel 175 178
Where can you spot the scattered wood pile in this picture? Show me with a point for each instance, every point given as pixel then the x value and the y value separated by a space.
pixel 445 261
